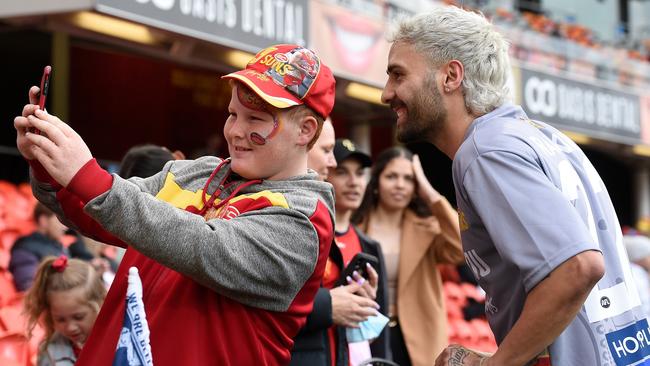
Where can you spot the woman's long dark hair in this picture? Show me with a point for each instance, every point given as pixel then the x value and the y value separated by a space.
pixel 371 196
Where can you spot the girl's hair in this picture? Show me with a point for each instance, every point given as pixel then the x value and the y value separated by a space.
pixel 76 274
pixel 371 196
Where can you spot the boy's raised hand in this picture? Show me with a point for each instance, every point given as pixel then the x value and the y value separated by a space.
pixel 59 148
pixel 20 124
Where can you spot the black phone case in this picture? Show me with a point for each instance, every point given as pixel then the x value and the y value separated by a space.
pixel 358 263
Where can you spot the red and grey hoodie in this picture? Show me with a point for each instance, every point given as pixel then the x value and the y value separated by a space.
pixel 226 285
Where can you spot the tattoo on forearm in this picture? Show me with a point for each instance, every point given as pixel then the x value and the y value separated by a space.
pixel 458 358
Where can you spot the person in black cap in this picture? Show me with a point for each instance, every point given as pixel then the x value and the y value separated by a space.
pixel 349 181
pixel 323 341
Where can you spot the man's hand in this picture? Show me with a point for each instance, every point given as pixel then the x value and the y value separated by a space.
pixel 59 149
pixel 368 287
pixel 457 355
pixel 348 309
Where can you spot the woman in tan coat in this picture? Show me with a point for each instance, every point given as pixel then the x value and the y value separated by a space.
pixel 417 229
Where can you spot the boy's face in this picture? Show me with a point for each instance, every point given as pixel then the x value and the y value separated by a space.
pixel 251 118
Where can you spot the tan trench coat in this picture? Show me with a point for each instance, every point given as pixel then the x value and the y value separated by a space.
pixel 425 243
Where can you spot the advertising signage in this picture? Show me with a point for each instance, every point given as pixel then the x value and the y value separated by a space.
pixel 573 105
pixel 248 25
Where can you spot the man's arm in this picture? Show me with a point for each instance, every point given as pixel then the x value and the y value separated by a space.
pixel 549 308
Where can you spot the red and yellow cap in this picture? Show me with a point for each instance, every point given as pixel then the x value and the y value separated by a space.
pixel 287 75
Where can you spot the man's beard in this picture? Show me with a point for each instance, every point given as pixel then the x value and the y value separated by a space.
pixel 425 116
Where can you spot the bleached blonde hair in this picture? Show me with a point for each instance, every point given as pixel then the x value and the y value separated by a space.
pixel 449 33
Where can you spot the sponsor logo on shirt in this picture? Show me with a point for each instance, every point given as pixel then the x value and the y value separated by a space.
pixel 462 221
pixel 489 306
pixel 630 344
pixel 604 302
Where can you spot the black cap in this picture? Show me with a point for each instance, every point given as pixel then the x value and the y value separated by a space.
pixel 345 149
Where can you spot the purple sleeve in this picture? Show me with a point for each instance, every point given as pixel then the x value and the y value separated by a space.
pixel 23 266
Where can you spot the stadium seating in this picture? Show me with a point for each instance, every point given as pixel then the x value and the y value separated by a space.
pixel 472 333
pixel 16 208
pixel 15 350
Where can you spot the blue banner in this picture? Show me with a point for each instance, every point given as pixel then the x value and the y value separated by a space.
pixel 133 347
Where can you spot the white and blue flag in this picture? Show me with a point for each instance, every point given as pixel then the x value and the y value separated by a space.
pixel 133 347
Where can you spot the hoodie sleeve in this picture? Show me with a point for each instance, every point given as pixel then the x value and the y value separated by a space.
pixel 261 258
pixel 69 206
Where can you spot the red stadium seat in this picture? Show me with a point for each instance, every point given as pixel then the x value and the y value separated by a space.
pixel 453 293
pixel 8 293
pixel 464 334
pixel 472 292
pixel 7 186
pixel 15 350
pixel 5 257
pixel 485 341
pixel 19 207
pixel 12 319
pixel 454 310
pixel 26 190
pixel 8 238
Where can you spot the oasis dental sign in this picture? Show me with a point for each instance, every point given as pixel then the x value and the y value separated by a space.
pixel 590 109
pixel 244 24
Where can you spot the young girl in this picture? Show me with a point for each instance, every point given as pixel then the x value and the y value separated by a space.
pixel 64 299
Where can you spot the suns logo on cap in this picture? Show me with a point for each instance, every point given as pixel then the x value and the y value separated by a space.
pixel 261 54
pixel 295 70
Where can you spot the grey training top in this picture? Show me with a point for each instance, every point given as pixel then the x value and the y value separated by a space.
pixel 529 199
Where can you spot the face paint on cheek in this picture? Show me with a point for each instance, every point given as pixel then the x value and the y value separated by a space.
pixel 252 101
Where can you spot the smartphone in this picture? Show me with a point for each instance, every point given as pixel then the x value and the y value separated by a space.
pixel 358 263
pixel 45 86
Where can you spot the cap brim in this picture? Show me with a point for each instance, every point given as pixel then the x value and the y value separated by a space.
pixel 265 88
pixel 362 158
